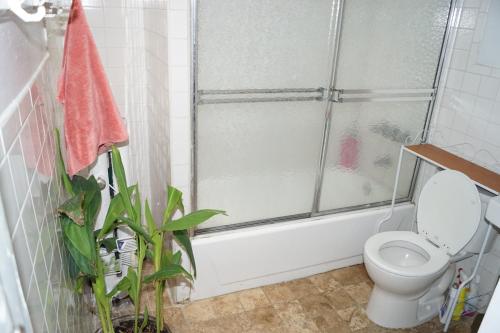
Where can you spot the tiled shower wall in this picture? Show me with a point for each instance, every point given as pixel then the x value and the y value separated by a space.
pixel 467 119
pixel 156 47
pixel 132 40
pixel 30 190
pixel 119 31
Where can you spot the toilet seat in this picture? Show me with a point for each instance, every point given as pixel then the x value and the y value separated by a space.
pixel 437 258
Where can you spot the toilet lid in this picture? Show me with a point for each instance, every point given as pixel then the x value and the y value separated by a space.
pixel 449 210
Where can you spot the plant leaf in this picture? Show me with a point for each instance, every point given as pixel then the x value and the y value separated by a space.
pixel 121 179
pixel 137 228
pixel 182 238
pixel 137 205
pixel 77 243
pixel 115 210
pixel 145 320
pixel 92 202
pixel 150 221
pixel 61 168
pixel 77 237
pixel 79 283
pixel 168 272
pixel 109 243
pixel 174 197
pixel 73 208
pixel 133 292
pixel 122 286
pixel 191 220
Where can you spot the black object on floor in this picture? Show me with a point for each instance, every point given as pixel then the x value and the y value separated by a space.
pixel 476 323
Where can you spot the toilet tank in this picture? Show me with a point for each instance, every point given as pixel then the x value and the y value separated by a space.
pixel 474 245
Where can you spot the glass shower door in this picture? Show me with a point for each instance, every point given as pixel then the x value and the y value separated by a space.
pixel 387 63
pixel 263 69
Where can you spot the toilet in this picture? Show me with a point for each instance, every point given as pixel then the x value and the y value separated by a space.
pixel 411 271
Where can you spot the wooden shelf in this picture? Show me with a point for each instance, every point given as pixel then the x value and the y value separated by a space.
pixel 482 177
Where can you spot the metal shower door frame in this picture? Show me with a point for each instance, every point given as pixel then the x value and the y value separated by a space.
pixel 367 95
pixel 333 95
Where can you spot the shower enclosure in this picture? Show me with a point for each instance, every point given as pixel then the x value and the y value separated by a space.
pixel 300 106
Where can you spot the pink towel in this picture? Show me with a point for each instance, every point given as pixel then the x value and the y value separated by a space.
pixel 91 118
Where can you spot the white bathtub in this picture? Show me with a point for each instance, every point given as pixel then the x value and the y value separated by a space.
pixel 252 257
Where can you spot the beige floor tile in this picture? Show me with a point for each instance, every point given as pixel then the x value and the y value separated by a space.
pixel 252 299
pixel 324 281
pixel 190 328
pixel 351 275
pixel 174 317
pixel 359 320
pixel 294 318
pixel 346 313
pixel 264 318
pixel 227 305
pixel 340 299
pixel 228 324
pixel 327 326
pixel 317 305
pixel 302 287
pixel 278 293
pixel 199 311
pixel 359 292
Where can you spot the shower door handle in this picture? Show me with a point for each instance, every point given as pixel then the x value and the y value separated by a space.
pixel 381 95
pixel 260 95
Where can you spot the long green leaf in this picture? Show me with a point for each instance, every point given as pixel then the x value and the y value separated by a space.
pixel 191 220
pixel 174 197
pixel 73 269
pixel 145 320
pixel 92 202
pixel 61 168
pixel 132 277
pixel 137 205
pixel 182 238
pixel 168 272
pixel 116 209
pixel 121 179
pixel 150 221
pixel 122 286
pixel 137 228
pixel 78 238
pixel 89 188
pixel 75 234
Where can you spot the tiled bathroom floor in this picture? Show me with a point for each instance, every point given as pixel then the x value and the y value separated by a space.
pixel 330 302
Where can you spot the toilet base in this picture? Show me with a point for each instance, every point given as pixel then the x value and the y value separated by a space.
pixel 394 311
pixel 391 310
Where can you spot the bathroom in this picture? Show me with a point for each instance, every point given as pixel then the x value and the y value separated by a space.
pixel 287 115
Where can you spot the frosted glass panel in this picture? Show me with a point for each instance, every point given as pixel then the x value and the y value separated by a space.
pixel 363 152
pixel 258 160
pixel 390 44
pixel 245 44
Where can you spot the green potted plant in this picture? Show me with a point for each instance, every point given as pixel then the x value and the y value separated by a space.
pixel 78 219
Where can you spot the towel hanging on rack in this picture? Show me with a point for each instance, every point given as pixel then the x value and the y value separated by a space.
pixel 92 121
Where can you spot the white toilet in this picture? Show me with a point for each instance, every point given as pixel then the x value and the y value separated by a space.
pixel 412 271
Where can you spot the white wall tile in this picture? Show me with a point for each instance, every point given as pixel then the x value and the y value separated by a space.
pixel 469 112
pixel 471 83
pixel 489 87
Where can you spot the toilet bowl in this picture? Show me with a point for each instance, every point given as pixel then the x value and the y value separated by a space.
pixel 411 271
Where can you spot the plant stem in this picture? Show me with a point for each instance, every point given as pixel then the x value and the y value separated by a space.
pixel 142 246
pixel 103 301
pixel 157 252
